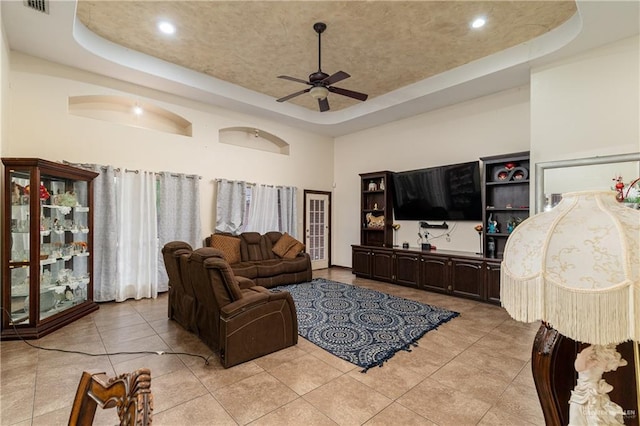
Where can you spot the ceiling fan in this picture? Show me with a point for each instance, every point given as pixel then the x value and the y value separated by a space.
pixel 321 82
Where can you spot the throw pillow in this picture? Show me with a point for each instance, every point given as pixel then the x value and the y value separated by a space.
pixel 229 246
pixel 294 251
pixel 287 247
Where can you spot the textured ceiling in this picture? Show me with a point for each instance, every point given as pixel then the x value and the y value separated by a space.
pixel 383 45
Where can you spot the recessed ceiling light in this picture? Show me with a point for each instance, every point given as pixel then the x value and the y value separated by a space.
pixel 478 22
pixel 166 27
pixel 137 110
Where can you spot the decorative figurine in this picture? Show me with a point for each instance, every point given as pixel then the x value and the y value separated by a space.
pixel 590 403
pixel 373 186
pixel 382 187
pixel 68 293
pixel 492 227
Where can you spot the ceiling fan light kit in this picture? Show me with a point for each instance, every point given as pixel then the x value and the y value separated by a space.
pixel 321 82
pixel 319 92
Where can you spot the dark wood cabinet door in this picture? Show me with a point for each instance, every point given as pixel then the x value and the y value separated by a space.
pixel 433 273
pixel 382 265
pixel 492 282
pixel 361 262
pixel 407 269
pixel 467 278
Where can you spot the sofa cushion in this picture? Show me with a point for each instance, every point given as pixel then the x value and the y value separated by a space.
pixel 228 245
pixel 287 247
pixel 297 264
pixel 245 269
pixel 253 247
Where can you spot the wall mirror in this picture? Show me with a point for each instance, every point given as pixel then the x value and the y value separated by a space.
pixel 595 173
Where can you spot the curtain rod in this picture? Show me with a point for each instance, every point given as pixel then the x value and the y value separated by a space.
pixel 236 181
pixel 256 184
pixel 117 169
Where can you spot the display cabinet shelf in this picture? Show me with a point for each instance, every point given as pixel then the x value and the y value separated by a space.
pixel 47 241
pixel 376 209
pixel 513 182
pixel 505 199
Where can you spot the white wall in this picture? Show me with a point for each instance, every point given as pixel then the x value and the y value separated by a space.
pixel 492 125
pixel 38 125
pixel 588 105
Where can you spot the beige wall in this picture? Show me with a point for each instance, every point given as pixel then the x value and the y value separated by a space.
pixel 492 125
pixel 4 79
pixel 586 106
pixel 4 84
pixel 583 106
pixel 39 125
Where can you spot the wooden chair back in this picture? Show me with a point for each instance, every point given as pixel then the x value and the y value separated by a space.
pixel 129 393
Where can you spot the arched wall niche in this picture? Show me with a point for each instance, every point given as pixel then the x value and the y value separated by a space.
pixel 251 137
pixel 130 112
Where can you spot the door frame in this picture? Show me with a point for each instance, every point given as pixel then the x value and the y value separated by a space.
pixel 304 221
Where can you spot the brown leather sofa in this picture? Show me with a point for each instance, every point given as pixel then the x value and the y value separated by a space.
pixel 230 314
pixel 258 261
pixel 242 324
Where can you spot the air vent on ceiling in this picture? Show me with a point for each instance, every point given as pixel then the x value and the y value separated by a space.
pixel 39 5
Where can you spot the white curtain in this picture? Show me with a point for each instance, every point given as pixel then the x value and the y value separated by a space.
pixel 230 205
pixel 243 207
pixel 137 254
pixel 263 210
pixel 178 215
pixel 105 233
pixel 288 210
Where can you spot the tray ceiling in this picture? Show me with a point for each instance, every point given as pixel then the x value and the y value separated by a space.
pixel 384 45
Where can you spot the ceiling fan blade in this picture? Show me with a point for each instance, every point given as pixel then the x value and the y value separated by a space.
pixel 297 80
pixel 293 95
pixel 323 104
pixel 334 78
pixel 350 93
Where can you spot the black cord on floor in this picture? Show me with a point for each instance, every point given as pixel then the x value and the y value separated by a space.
pixel 206 360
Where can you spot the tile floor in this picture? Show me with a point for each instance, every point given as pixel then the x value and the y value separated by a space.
pixel 474 370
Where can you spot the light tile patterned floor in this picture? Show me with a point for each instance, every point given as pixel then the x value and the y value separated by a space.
pixel 473 370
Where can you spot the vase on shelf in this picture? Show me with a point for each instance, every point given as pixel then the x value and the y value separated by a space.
pixel 491 248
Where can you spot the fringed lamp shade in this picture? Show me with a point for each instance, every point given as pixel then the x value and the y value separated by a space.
pixel 577 267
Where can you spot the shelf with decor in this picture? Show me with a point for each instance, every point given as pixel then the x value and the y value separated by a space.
pixel 47 241
pixel 376 209
pixel 505 199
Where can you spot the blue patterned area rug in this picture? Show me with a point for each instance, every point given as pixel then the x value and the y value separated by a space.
pixel 362 326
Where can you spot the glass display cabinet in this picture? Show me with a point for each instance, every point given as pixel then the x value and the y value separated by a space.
pixel 47 246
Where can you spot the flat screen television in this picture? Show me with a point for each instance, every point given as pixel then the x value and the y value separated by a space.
pixel 451 192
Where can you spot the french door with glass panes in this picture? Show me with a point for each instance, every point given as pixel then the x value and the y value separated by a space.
pixel 317 227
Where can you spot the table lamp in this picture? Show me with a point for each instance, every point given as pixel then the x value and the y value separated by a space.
pixel 576 268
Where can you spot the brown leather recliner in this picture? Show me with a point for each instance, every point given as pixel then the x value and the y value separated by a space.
pixel 242 323
pixel 182 301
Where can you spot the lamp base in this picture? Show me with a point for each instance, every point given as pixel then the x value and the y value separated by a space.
pixel 590 403
pixel 552 365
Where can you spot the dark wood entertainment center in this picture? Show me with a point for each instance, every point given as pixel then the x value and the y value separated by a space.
pixel 505 198
pixel 451 272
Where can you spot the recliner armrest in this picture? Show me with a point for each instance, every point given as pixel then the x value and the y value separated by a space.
pixel 248 301
pixel 245 283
